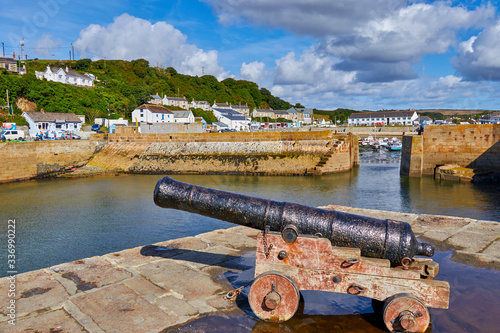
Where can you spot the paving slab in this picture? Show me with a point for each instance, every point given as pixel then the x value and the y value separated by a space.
pixel 120 309
pixel 50 322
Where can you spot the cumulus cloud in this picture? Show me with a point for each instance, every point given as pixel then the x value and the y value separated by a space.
pixel 253 71
pixel 381 41
pixel 130 38
pixel 46 44
pixel 478 57
pixel 311 17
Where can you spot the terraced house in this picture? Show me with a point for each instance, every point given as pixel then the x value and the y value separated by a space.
pixel 383 118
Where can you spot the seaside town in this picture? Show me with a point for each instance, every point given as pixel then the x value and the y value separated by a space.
pixel 249 167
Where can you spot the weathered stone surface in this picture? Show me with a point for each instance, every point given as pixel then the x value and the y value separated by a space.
pixel 145 288
pixel 91 273
pixel 493 249
pixel 131 257
pixel 180 278
pixel 35 291
pixel 50 322
pixel 174 306
pixel 228 237
pixel 119 309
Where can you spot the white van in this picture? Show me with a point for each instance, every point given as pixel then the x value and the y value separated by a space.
pixel 10 135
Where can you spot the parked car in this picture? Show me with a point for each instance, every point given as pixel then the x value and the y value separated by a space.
pixel 9 135
pixel 96 127
pixel 70 136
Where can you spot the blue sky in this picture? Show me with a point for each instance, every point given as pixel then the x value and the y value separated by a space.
pixel 363 54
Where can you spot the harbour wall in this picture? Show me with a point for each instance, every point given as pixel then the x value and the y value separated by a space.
pixel 261 153
pixel 272 153
pixel 26 160
pixel 469 146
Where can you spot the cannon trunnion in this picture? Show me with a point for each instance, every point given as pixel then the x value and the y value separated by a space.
pixel 306 248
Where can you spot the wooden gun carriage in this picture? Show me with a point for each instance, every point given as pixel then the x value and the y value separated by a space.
pixel 306 248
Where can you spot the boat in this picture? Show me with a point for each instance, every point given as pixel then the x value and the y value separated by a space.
pixel 395 146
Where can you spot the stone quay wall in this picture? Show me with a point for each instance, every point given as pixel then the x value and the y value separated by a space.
pixel 262 153
pixel 26 160
pixel 470 146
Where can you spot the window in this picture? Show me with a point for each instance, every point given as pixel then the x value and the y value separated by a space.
pixel 58 126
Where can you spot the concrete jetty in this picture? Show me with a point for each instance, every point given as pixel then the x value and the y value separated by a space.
pixel 156 287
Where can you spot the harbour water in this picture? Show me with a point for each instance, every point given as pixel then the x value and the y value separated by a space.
pixel 61 220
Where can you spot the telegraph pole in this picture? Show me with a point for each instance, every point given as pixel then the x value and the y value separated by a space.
pixel 3 49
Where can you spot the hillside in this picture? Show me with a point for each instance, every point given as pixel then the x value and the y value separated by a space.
pixel 126 85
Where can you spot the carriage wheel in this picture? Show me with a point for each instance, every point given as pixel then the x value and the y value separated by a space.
pixel 405 313
pixel 274 297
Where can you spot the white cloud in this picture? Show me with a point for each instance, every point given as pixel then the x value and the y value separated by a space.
pixel 130 38
pixel 45 45
pixel 253 71
pixel 478 57
pixel 311 17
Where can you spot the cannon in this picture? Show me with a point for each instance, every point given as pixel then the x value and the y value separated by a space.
pixel 307 248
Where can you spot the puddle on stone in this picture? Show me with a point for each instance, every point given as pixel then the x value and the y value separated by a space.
pixel 474 305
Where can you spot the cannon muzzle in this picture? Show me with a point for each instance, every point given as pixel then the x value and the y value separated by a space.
pixel 386 239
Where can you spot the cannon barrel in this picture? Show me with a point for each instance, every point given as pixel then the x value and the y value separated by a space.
pixel 386 239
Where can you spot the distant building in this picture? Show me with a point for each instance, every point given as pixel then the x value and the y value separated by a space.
pixel 264 113
pixel 66 76
pixel 221 105
pixel 51 122
pixel 175 101
pixel 492 118
pixel 183 116
pixel 383 118
pixel 155 99
pixel 9 64
pixel 149 113
pixel 204 105
pixel 243 109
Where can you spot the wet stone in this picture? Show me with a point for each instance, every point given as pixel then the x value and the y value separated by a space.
pixel 35 291
pixel 119 309
pixel 91 273
pixel 51 322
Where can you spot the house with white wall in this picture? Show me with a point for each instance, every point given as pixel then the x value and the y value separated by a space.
pixel 204 105
pixel 175 101
pixel 183 116
pixel 149 113
pixel 66 76
pixel 383 118
pixel 52 122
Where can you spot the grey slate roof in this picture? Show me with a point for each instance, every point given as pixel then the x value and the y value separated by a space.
pixel 181 113
pixel 52 117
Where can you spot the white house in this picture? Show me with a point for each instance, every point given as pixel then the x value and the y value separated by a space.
pixel 238 123
pixel 104 122
pixel 204 105
pixel 176 101
pixel 382 118
pixel 148 113
pixel 51 122
pixel 66 76
pixel 221 105
pixel 183 116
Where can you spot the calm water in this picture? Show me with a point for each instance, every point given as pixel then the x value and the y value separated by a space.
pixel 67 219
